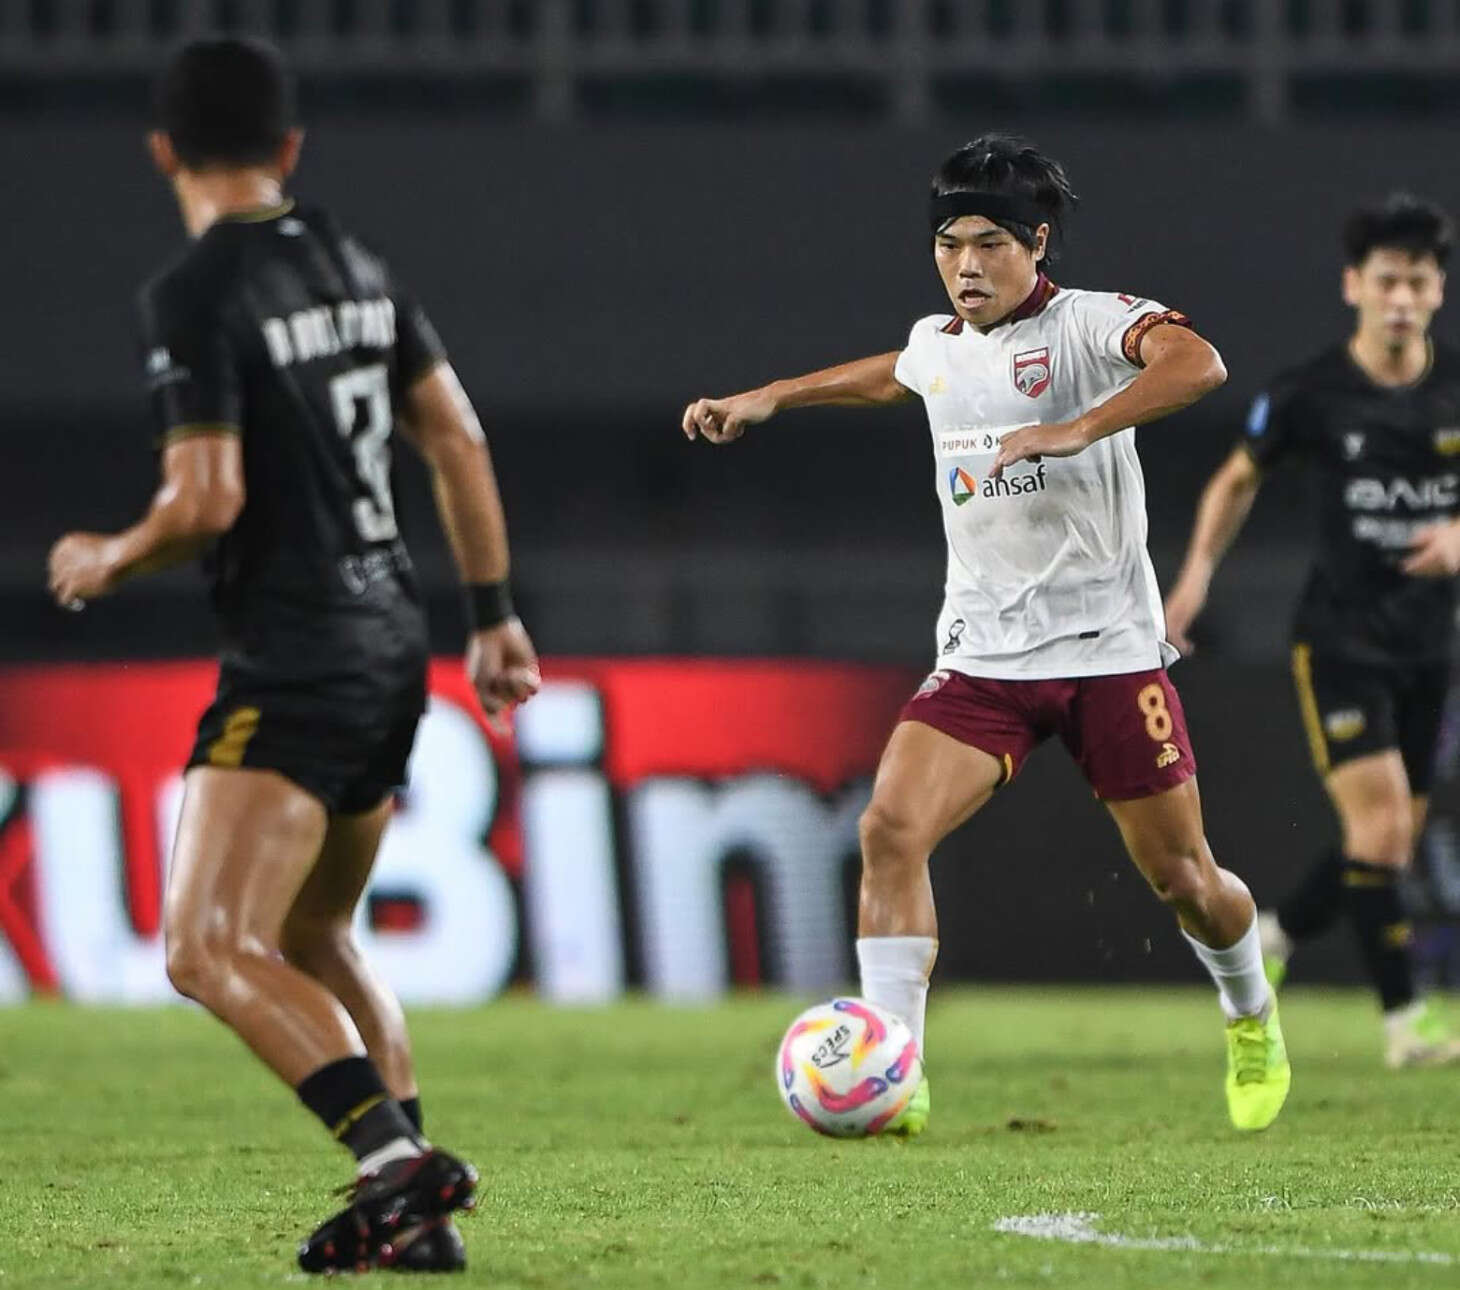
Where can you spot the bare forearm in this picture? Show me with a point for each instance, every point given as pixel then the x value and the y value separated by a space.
pixel 864 382
pixel 175 529
pixel 1166 386
pixel 470 508
pixel 1225 504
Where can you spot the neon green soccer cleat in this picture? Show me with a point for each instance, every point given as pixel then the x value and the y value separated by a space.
pixel 1258 1074
pixel 913 1118
pixel 1418 1036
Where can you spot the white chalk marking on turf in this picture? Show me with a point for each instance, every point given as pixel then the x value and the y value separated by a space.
pixel 1080 1229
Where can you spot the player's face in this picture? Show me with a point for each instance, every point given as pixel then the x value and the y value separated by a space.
pixel 1396 293
pixel 986 271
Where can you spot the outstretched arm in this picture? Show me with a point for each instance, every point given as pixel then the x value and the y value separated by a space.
pixel 1179 368
pixel 199 498
pixel 1225 504
pixel 867 382
pixel 440 422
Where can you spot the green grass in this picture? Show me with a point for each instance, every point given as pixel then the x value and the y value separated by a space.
pixel 642 1146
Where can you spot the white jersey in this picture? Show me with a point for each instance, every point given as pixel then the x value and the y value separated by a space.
pixel 1048 575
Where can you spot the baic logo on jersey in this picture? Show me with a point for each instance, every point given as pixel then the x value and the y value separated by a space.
pixel 1032 372
pixel 964 487
pixel 1433 493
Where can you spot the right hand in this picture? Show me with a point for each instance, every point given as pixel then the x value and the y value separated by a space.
pixel 502 667
pixel 725 420
pixel 1186 601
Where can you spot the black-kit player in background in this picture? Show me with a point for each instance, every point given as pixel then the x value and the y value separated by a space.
pixel 1377 421
pixel 283 359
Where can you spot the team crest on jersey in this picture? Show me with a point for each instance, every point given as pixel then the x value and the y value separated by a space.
pixel 1346 724
pixel 1032 372
pixel 1353 444
pixel 1447 441
pixel 935 681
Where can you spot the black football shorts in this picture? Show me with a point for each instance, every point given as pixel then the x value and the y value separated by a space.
pixel 344 741
pixel 1352 709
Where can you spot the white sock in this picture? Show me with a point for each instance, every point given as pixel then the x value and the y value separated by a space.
pixel 1237 971
pixel 401 1148
pixel 1403 1017
pixel 895 971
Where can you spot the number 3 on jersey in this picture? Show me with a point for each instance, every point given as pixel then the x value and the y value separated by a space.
pixel 362 412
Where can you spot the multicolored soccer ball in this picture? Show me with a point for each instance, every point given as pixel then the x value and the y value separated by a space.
pixel 847 1068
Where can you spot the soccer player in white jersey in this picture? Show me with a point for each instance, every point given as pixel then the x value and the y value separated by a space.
pixel 1052 620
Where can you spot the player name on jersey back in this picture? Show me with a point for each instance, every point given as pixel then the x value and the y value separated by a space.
pixel 326 330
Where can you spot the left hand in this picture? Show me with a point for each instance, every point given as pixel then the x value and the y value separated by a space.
pixel 1434 552
pixel 1030 443
pixel 502 667
pixel 81 569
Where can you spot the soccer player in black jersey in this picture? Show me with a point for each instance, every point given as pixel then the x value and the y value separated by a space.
pixel 282 358
pixel 1377 421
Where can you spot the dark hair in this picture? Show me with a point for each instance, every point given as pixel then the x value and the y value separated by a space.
pixel 1002 163
pixel 225 101
pixel 1402 223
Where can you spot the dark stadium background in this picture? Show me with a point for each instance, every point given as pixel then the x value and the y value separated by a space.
pixel 611 208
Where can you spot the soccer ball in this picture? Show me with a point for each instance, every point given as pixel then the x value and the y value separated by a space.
pixel 847 1067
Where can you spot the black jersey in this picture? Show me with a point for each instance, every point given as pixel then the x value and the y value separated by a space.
pixel 1387 463
pixel 282 328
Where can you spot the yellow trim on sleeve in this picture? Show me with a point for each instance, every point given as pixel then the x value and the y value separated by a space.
pixel 193 429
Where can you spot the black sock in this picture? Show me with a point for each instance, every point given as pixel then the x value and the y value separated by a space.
pixel 412 1107
pixel 1316 903
pixel 1371 894
pixel 351 1100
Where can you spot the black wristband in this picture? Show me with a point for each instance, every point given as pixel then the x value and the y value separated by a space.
pixel 488 604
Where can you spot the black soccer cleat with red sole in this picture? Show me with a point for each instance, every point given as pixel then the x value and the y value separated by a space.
pixel 383 1206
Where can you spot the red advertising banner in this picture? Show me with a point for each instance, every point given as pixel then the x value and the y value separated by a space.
pixel 708 805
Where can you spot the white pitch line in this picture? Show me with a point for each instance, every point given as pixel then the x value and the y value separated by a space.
pixel 1079 1229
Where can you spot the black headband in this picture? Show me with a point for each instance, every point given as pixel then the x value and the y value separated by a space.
pixel 993 206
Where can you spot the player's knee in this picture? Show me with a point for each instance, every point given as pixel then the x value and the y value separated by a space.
pixel 195 964
pixel 889 836
pixel 1183 881
pixel 310 944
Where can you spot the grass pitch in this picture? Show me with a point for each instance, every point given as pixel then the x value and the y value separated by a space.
pixel 642 1146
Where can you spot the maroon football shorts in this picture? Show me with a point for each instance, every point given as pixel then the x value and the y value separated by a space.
pixel 1127 732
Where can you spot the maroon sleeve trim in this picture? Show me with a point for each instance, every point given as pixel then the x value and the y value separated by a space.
pixel 1130 343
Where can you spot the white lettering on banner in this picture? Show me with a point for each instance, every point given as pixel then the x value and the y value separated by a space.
pixel 569 880
pixel 82 914
pixel 571 887
pixel 463 951
pixel 683 831
pixel 466 945
pixel 463 947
